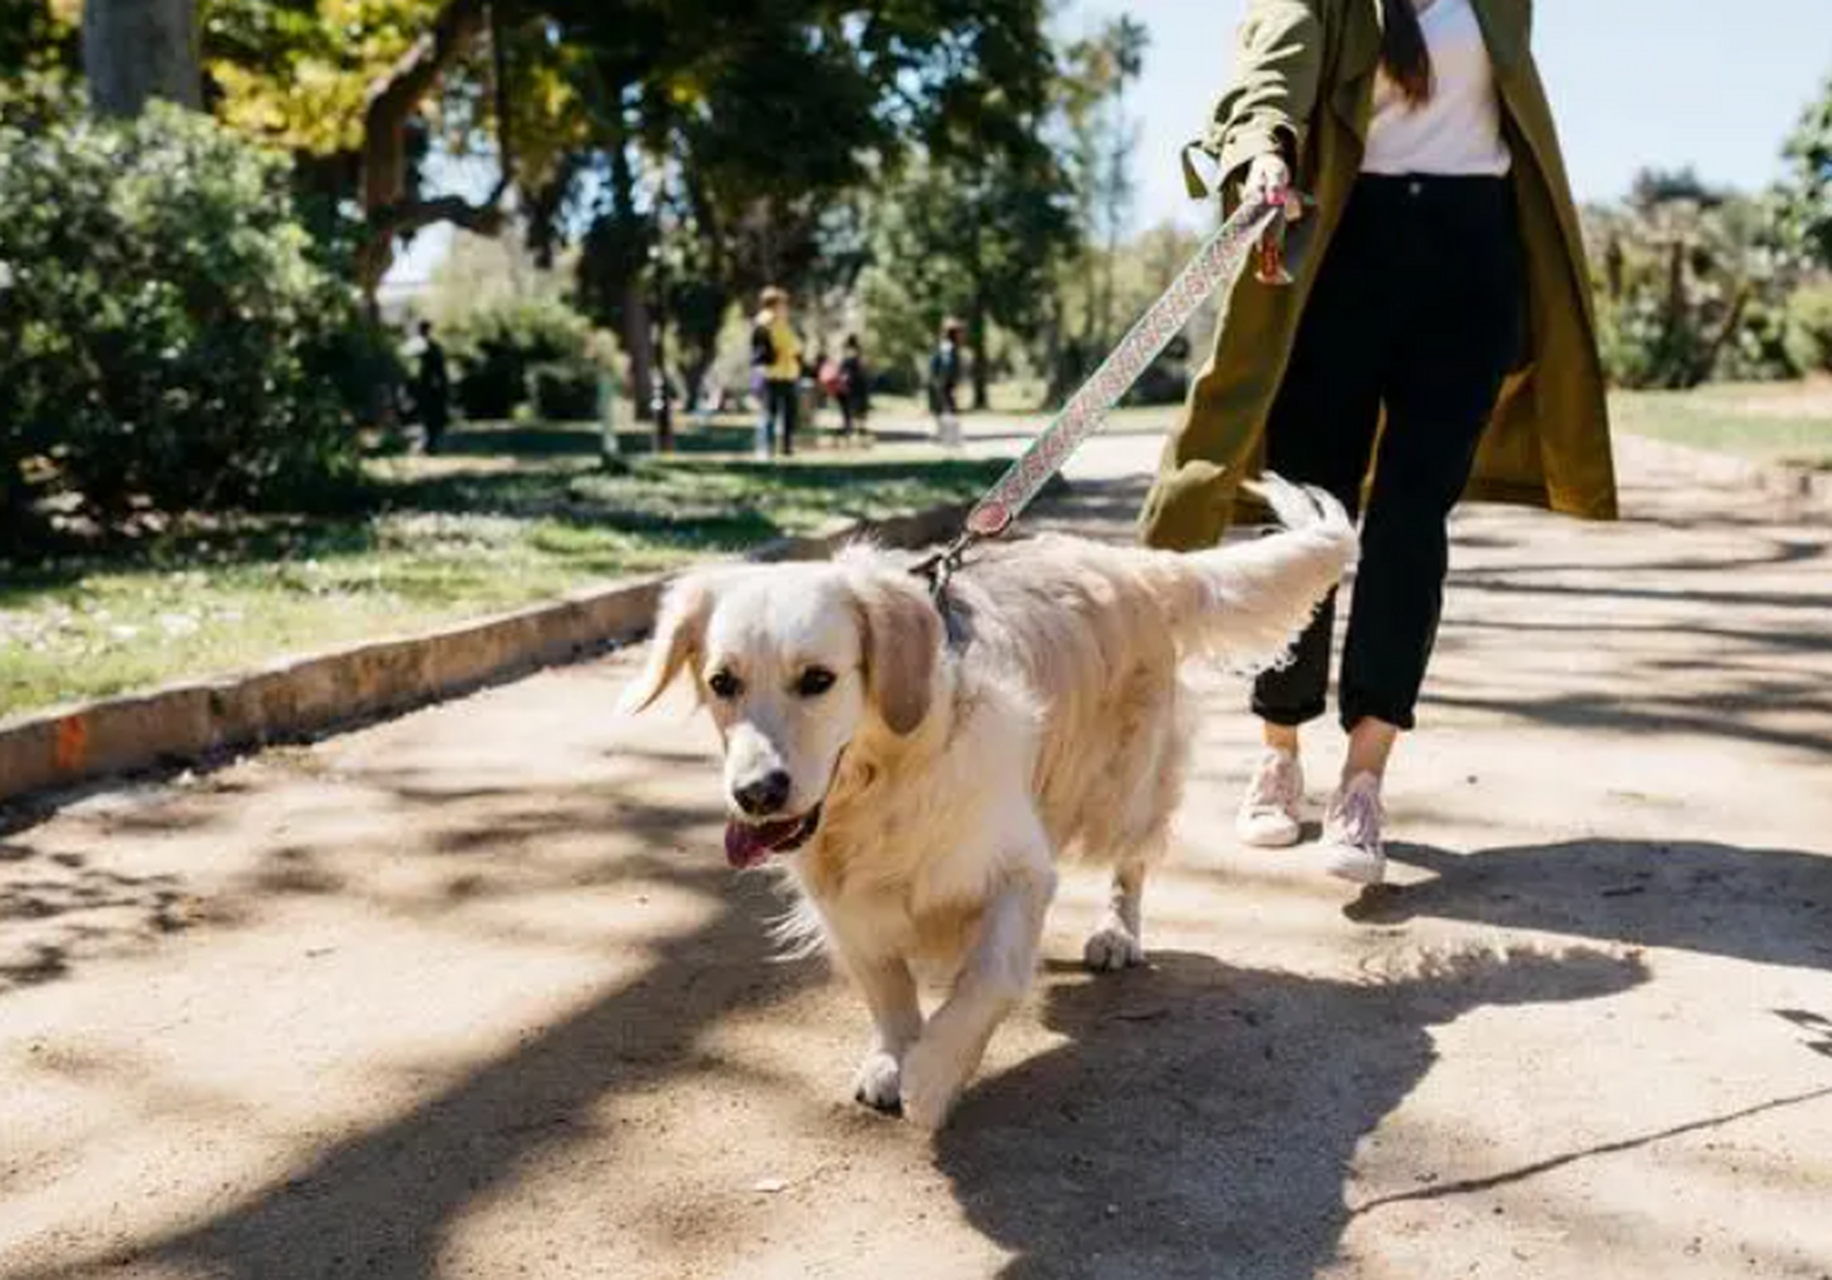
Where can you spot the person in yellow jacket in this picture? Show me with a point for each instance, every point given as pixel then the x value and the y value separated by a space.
pixel 776 352
pixel 1438 341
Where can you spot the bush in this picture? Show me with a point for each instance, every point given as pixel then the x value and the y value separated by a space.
pixel 1809 338
pixel 566 392
pixel 168 337
pixel 528 351
pixel 1691 287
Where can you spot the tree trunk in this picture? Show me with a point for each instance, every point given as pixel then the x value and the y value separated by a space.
pixel 982 368
pixel 389 106
pixel 639 343
pixel 134 50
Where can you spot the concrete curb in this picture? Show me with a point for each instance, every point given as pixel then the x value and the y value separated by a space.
pixel 194 721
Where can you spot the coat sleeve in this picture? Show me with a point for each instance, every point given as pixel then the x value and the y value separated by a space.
pixel 1278 65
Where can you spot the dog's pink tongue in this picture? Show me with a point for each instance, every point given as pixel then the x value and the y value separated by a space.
pixel 747 845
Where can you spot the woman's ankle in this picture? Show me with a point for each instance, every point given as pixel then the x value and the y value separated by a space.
pixel 1280 737
pixel 1371 744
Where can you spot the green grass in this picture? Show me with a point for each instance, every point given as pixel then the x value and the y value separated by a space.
pixel 508 517
pixel 1786 422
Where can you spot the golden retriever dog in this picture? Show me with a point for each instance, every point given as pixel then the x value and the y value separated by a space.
pixel 918 781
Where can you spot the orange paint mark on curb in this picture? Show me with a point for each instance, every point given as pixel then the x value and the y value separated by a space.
pixel 72 743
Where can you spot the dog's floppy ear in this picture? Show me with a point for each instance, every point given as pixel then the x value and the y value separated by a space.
pixel 902 636
pixel 680 631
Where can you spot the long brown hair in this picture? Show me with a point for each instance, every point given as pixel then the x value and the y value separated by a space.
pixel 1403 52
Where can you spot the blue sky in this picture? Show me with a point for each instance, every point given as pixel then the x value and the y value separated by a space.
pixel 1633 83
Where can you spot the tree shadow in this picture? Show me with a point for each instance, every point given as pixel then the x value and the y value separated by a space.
pixel 1815 1026
pixel 56 909
pixel 1772 906
pixel 382 1202
pixel 1725 715
pixel 550 439
pixel 681 503
pixel 1202 1119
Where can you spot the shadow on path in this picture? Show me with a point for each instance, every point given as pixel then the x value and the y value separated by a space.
pixel 1227 1151
pixel 1773 906
pixel 382 1203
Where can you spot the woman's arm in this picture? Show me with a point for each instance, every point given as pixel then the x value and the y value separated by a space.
pixel 1278 65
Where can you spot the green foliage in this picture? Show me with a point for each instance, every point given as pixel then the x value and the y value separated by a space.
pixel 737 139
pixel 976 241
pixel 36 36
pixel 1809 329
pixel 524 351
pixel 1804 201
pixel 1098 142
pixel 294 74
pixel 168 336
pixel 1692 286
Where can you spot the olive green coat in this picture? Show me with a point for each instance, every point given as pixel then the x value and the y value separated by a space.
pixel 1304 85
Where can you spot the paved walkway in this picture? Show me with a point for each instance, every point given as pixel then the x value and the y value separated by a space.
pixel 472 993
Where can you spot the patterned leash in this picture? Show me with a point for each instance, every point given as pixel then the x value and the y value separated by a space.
pixel 1256 231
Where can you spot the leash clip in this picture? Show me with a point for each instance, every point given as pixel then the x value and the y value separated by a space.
pixel 940 568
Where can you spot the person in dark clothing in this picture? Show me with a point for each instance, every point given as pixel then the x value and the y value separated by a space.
pixel 944 382
pixel 432 389
pixel 854 390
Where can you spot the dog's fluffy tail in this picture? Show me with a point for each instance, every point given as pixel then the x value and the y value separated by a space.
pixel 1245 603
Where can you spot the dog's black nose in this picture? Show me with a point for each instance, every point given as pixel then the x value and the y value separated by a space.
pixel 765 795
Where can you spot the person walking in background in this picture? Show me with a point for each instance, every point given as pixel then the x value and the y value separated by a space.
pixel 813 393
pixel 854 391
pixel 944 384
pixel 1446 293
pixel 763 355
pixel 777 351
pixel 432 389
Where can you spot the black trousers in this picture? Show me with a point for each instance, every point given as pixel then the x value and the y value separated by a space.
pixel 1418 307
pixel 783 399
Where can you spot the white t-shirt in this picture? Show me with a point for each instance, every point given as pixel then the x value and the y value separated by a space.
pixel 1458 131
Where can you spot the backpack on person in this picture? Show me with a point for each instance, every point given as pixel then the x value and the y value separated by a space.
pixel 763 346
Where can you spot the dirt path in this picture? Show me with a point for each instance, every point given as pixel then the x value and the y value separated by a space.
pixel 472 993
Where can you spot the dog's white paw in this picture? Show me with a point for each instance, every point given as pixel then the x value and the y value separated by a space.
pixel 1111 949
pixel 931 1082
pixel 877 1083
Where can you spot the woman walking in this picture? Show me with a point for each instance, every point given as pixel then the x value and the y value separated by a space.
pixel 945 381
pixel 855 392
pixel 1438 341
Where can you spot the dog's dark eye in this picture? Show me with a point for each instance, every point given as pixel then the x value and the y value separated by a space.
pixel 814 682
pixel 725 686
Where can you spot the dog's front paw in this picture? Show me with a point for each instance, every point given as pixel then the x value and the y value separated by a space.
pixel 931 1081
pixel 1111 949
pixel 877 1081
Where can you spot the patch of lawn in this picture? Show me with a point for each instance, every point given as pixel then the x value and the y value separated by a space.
pixel 424 541
pixel 1788 422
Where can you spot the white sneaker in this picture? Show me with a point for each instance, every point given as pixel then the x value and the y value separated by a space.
pixel 1351 832
pixel 1268 817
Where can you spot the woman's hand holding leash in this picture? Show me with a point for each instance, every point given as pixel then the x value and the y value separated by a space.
pixel 1269 177
pixel 1269 182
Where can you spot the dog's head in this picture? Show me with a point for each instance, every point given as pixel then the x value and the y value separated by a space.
pixel 795 662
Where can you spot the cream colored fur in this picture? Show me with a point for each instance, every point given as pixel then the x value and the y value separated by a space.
pixel 951 780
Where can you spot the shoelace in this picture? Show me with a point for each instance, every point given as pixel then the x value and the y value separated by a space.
pixel 1359 816
pixel 1272 784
